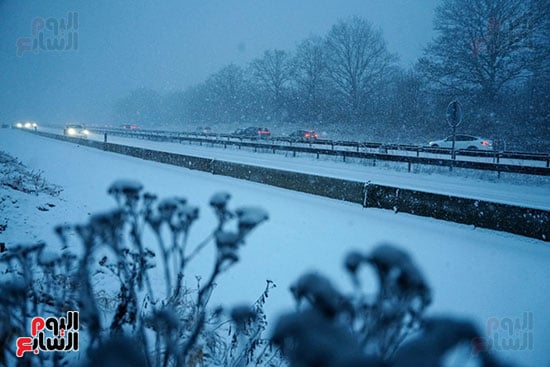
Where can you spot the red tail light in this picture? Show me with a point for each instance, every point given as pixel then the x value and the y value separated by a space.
pixel 307 135
pixel 485 143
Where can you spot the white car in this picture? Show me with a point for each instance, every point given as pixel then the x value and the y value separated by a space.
pixel 463 142
pixel 76 130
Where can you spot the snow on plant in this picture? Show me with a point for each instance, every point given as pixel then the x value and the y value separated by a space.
pixel 245 346
pixel 171 326
pixel 15 175
pixel 360 329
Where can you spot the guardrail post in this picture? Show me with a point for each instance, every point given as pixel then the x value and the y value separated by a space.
pixel 105 137
pixel 498 165
pixel 409 164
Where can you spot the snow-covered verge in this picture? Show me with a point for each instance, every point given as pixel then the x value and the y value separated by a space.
pixel 485 275
pixel 22 189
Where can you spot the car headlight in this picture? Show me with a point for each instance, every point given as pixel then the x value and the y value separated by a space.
pixel 85 132
pixel 71 131
pixel 28 125
pixel 34 124
pixel 19 125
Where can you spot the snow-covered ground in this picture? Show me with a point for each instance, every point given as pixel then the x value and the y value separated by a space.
pixel 476 273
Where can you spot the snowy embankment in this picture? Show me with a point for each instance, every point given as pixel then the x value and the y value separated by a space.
pixel 476 273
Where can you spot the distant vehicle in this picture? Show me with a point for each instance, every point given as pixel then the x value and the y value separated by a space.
pixel 253 132
pixel 463 142
pixel 130 127
pixel 205 130
pixel 304 135
pixel 76 130
pixel 26 125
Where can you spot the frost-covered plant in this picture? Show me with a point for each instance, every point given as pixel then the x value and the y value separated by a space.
pixel 240 342
pixel 387 328
pixel 171 326
pixel 17 176
pixel 34 283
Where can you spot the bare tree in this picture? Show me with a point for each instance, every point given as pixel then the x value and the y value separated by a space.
pixel 227 89
pixel 272 72
pixel 404 109
pixel 483 46
pixel 310 74
pixel 357 59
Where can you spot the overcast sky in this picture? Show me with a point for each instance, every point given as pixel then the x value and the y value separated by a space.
pixel 168 45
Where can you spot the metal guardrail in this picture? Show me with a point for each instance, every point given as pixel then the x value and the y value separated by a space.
pixel 360 150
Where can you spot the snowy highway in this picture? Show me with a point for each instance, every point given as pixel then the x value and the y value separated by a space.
pixel 512 189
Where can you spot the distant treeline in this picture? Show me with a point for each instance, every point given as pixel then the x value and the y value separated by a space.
pixel 493 56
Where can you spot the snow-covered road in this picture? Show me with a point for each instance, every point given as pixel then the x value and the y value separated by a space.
pixel 476 273
pixel 513 189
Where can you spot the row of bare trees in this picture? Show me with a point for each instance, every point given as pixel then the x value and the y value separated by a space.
pixel 324 79
pixel 491 54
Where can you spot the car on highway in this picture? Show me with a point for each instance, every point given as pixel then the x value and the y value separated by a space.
pixel 205 130
pixel 463 141
pixel 26 125
pixel 253 132
pixel 130 127
pixel 76 130
pixel 304 135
